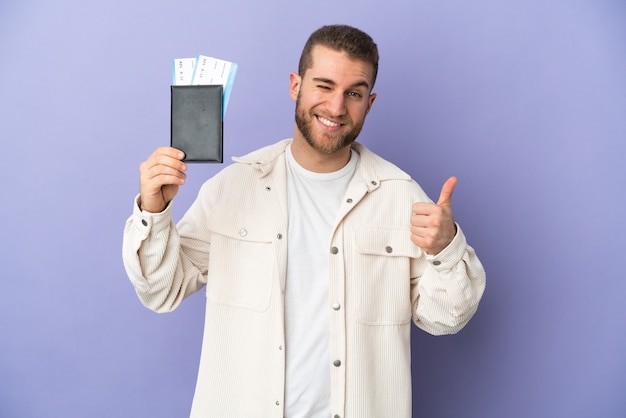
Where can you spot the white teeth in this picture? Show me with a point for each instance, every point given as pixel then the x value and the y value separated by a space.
pixel 327 122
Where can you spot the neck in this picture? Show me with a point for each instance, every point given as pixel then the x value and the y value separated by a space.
pixel 317 161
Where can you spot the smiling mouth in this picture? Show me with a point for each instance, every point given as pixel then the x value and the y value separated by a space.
pixel 327 122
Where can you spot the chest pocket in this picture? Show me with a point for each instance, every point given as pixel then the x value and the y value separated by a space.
pixel 242 260
pixel 383 281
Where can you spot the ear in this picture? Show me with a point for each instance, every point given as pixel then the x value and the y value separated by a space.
pixel 295 81
pixel 370 102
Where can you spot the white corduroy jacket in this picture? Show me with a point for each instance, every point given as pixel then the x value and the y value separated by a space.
pixel 233 241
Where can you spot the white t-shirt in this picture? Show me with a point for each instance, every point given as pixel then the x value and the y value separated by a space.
pixel 314 200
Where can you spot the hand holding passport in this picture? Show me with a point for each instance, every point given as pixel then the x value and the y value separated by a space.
pixel 199 97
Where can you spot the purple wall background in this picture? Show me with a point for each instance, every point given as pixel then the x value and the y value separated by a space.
pixel 524 101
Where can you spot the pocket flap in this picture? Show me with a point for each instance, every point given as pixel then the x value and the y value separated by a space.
pixel 386 241
pixel 242 225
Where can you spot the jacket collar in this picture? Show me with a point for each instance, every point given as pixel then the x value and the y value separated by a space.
pixel 373 168
pixel 263 159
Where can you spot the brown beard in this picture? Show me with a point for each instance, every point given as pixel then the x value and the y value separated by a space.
pixel 337 141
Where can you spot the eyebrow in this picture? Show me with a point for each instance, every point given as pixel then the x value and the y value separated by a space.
pixel 361 83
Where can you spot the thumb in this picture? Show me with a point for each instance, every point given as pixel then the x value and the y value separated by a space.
pixel 445 197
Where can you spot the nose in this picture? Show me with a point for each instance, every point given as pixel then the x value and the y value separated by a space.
pixel 337 104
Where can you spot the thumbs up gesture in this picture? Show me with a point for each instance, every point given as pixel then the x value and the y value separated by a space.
pixel 432 224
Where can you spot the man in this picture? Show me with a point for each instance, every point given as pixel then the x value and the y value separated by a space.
pixel 315 253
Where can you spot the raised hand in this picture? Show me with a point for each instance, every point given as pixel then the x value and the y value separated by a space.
pixel 432 224
pixel 160 176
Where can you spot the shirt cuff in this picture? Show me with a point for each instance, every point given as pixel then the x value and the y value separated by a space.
pixel 452 254
pixel 146 222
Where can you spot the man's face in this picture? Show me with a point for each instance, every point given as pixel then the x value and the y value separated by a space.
pixel 332 99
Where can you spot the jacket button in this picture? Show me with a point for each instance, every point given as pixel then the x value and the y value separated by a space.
pixel 144 222
pixel 336 306
pixel 279 236
pixel 337 363
pixel 334 250
pixel 388 249
pixel 436 262
pixel 243 232
pixel 349 200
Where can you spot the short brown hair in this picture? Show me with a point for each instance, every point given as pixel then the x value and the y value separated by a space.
pixel 354 42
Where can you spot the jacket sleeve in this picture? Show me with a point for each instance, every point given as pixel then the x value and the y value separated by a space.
pixel 447 287
pixel 156 263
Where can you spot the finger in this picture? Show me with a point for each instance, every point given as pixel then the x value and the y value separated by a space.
pixel 445 198
pixel 170 152
pixel 169 158
pixel 161 170
pixel 422 208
